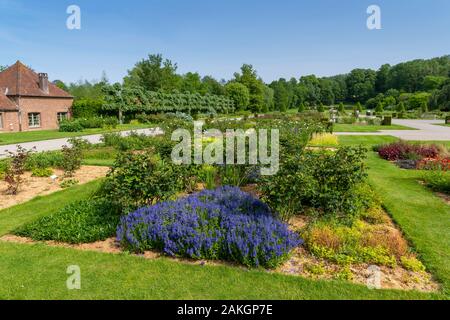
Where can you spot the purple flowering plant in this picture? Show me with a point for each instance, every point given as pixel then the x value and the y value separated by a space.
pixel 225 223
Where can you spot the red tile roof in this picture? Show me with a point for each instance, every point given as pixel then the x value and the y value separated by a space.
pixel 21 80
pixel 5 103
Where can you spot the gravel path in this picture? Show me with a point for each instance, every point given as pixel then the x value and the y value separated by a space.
pixel 426 130
pixel 56 144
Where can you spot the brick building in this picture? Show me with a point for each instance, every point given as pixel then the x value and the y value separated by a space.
pixel 28 101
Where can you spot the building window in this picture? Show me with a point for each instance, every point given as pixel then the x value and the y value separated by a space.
pixel 1 120
pixel 34 120
pixel 61 116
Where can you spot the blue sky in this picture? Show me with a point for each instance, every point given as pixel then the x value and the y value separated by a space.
pixel 283 38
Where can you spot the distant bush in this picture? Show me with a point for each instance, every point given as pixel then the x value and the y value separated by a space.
pixel 79 124
pixel 70 126
pixel 403 151
pixel 324 139
pixel 225 224
pixel 80 222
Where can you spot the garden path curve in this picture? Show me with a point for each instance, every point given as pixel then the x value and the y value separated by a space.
pixel 426 130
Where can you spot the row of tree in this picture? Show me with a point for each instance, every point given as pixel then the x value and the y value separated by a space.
pixel 134 99
pixel 415 84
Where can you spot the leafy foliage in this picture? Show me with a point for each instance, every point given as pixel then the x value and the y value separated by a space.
pixel 80 222
pixel 324 180
pixel 72 158
pixel 15 169
pixel 142 178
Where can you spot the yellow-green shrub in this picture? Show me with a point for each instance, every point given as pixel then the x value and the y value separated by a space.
pixel 324 139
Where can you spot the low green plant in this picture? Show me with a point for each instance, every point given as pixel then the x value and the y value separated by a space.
pixel 80 143
pixel 411 263
pixel 42 172
pixel 80 222
pixel 324 140
pixel 315 269
pixel 68 183
pixel 42 160
pixel 437 180
pixel 207 175
pixel 358 243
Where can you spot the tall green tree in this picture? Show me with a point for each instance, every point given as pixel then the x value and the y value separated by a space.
pixel 269 98
pixel 239 93
pixel 154 74
pixel 381 82
pixel 361 84
pixel 212 86
pixel 249 78
pixel 280 95
pixel 192 83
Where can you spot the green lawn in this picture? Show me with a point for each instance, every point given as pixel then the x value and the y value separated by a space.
pixel 16 216
pixel 39 272
pixel 31 136
pixel 367 128
pixel 422 216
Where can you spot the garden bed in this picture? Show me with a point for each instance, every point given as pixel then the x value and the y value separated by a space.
pixel 301 263
pixel 40 186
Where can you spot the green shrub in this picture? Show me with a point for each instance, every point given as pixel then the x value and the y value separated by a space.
pixel 111 122
pixel 4 164
pixel 324 140
pixel 207 175
pixel 42 160
pixel 68 183
pixel 16 168
pixel 72 158
pixel 42 172
pixel 91 123
pixel 138 179
pixel 325 180
pixel 80 143
pixel 387 121
pixel 80 222
pixel 412 264
pixel 70 126
pixel 437 180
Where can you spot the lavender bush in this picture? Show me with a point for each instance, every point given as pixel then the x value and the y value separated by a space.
pixel 225 223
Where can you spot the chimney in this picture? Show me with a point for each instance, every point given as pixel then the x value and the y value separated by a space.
pixel 43 82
